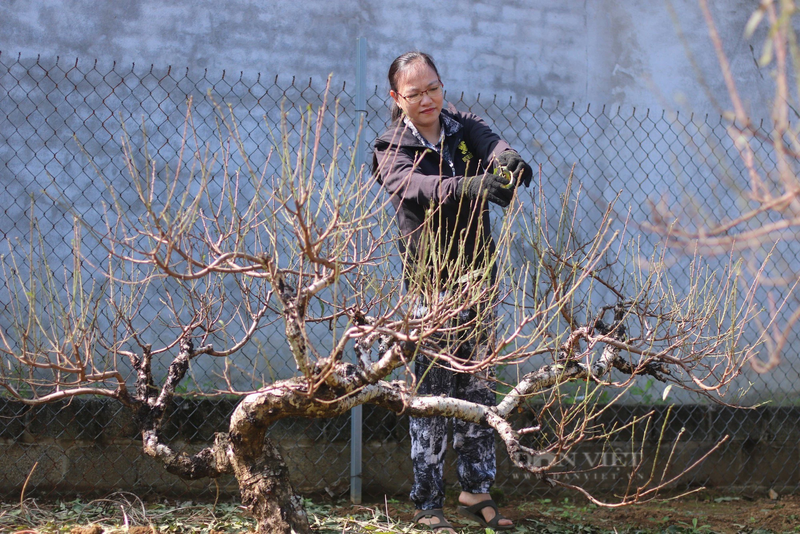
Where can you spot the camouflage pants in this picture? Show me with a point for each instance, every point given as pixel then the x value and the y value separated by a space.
pixel 473 444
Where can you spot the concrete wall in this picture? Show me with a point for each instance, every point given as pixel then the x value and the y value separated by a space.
pixel 594 53
pixel 90 447
pixel 599 52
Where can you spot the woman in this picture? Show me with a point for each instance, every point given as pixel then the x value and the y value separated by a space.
pixel 441 169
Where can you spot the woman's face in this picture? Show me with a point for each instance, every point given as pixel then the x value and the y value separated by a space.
pixel 419 94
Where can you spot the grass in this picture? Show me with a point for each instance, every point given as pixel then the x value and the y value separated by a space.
pixel 123 512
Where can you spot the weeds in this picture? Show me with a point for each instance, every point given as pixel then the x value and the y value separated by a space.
pixel 126 513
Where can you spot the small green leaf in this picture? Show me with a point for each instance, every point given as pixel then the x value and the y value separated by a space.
pixel 753 22
pixel 766 54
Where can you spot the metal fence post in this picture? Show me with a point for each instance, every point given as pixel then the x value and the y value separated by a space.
pixel 356 413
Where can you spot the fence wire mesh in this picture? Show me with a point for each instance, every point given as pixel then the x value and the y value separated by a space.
pixel 61 128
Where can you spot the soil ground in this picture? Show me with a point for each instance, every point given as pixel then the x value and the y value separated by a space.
pixel 125 513
pixel 704 512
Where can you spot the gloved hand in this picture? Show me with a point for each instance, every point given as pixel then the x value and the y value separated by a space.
pixel 493 187
pixel 520 170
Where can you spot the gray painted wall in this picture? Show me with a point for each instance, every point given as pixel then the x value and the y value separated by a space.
pixel 590 52
pixel 623 53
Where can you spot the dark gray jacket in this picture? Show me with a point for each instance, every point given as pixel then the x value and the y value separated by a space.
pixel 421 183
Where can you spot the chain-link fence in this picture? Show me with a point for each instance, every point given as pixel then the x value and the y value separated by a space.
pixel 61 124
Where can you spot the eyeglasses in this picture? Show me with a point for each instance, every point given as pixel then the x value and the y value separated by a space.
pixel 433 92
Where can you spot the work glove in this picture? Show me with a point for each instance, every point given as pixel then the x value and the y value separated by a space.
pixel 520 171
pixel 492 187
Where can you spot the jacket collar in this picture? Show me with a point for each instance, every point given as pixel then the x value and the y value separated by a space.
pixel 450 125
pixel 402 135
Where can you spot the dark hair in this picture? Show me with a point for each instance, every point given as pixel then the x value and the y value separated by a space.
pixel 399 65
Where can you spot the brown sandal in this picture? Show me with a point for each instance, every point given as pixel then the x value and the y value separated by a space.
pixel 475 513
pixel 433 514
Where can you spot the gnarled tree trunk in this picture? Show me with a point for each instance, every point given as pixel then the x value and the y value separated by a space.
pixel 262 474
pixel 265 487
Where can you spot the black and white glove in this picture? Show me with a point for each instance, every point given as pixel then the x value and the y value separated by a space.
pixel 492 187
pixel 520 171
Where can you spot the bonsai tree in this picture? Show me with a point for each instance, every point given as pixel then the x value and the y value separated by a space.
pixel 232 253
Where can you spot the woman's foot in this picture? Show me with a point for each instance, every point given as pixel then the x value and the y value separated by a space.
pixel 488 512
pixel 434 520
